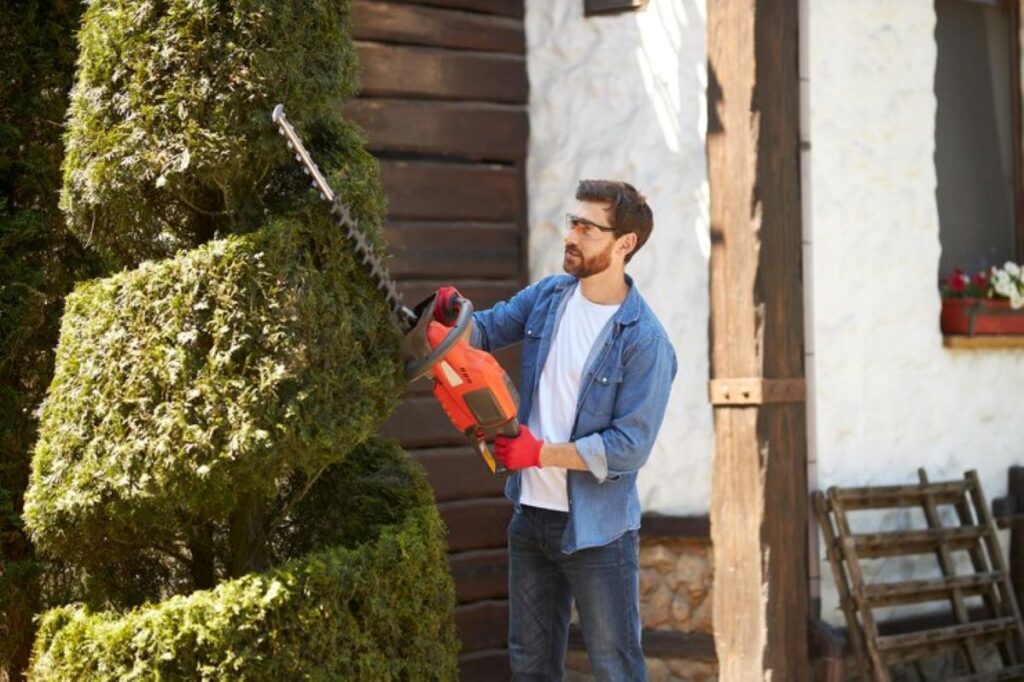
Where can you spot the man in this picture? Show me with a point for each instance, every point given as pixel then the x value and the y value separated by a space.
pixel 596 374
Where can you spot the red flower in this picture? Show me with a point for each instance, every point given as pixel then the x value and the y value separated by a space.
pixel 981 280
pixel 958 281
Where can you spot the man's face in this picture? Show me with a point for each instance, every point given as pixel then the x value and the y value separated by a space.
pixel 588 249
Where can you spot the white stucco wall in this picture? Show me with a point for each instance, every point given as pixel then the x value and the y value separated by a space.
pixel 888 397
pixel 622 97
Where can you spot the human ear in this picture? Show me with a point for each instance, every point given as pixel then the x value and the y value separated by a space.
pixel 627 243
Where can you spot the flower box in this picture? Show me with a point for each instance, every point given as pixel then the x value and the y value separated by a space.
pixel 978 316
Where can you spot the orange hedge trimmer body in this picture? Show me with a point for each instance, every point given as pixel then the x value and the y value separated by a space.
pixel 473 389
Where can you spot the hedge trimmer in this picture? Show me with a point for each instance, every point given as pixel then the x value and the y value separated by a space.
pixel 474 390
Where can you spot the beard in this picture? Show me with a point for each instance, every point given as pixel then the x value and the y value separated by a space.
pixel 574 262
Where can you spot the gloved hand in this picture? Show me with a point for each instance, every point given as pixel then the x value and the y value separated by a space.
pixel 445 309
pixel 520 452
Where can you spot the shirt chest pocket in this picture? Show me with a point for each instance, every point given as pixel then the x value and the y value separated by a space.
pixel 532 336
pixel 599 402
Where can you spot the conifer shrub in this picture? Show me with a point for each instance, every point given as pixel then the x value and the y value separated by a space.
pixel 376 604
pixel 168 141
pixel 188 385
pixel 202 458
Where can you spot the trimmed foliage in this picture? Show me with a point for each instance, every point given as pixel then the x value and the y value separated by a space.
pixel 376 607
pixel 168 142
pixel 197 382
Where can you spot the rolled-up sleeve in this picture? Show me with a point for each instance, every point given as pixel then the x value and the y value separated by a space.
pixel 640 404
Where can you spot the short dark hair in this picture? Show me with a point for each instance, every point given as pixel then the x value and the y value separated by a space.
pixel 627 207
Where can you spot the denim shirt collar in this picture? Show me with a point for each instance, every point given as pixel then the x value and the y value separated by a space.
pixel 628 312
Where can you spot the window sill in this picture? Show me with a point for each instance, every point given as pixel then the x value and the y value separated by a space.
pixel 961 341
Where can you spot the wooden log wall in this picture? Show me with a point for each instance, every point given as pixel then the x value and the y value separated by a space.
pixel 443 105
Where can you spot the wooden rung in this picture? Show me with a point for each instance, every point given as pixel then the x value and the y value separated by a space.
pixel 897 543
pixel 914 591
pixel 1015 672
pixel 878 497
pixel 947 634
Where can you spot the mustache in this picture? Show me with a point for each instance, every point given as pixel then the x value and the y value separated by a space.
pixel 574 252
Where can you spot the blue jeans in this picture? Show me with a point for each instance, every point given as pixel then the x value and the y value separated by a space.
pixel 542 582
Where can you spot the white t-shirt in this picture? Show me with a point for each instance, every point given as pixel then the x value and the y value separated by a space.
pixel 554 400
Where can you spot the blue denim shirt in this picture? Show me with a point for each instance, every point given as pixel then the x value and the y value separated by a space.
pixel 623 394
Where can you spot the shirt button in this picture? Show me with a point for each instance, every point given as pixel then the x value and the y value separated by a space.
pixel 604 380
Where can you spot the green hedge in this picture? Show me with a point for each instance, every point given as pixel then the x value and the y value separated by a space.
pixel 169 140
pixel 380 610
pixel 186 385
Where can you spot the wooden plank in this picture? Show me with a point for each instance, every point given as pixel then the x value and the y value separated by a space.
pixel 759 492
pixel 477 131
pixel 458 473
pixel 419 25
pixel 834 553
pixel 952 633
pixel 1015 672
pixel 851 560
pixel 476 524
pixel 437 73
pixel 956 595
pixel 480 574
pixel 888 496
pixel 483 625
pixel 490 665
pixel 916 591
pixel 983 341
pixel 662 526
pixel 980 563
pixel 907 542
pixel 429 190
pixel 447 250
pixel 1008 599
pixel 507 8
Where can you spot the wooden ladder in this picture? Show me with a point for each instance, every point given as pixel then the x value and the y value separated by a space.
pixel 974 532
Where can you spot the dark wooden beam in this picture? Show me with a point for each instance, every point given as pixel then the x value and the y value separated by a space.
pixel 483 625
pixel 476 523
pixel 427 190
pixel 438 73
pixel 501 7
pixel 477 131
pixel 417 25
pixel 660 526
pixel 759 490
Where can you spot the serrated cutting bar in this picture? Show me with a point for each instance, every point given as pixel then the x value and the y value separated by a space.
pixel 404 318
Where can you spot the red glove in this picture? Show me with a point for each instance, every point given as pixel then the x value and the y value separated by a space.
pixel 446 310
pixel 520 452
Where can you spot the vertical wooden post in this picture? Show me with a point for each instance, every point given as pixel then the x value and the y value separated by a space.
pixel 759 494
pixel 1015 491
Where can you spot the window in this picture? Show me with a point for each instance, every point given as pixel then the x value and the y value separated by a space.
pixel 978 133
